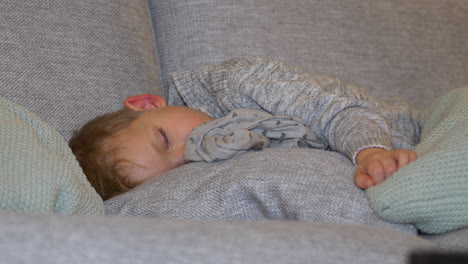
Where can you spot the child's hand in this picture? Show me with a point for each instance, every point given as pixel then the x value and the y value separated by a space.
pixel 374 165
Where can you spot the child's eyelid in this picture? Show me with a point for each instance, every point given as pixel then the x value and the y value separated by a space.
pixel 163 133
pixel 158 141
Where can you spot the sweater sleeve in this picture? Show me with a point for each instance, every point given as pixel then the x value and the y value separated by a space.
pixel 344 117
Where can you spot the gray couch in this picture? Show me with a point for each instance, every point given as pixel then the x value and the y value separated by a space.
pixel 68 61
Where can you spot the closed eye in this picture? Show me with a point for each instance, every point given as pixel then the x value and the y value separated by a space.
pixel 164 135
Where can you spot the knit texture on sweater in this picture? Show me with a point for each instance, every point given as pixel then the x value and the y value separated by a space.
pixel 432 192
pixel 343 117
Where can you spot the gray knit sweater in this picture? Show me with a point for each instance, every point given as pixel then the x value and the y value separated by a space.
pixel 344 117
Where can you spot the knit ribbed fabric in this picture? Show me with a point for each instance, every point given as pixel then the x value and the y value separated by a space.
pixel 432 192
pixel 38 172
pixel 344 117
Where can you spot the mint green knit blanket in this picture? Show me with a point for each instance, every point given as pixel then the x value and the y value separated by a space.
pixel 432 192
pixel 38 172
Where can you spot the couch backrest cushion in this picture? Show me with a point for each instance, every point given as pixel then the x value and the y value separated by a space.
pixel 68 61
pixel 415 49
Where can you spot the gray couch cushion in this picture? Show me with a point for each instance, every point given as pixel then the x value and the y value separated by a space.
pixel 273 184
pixel 455 240
pixel 68 61
pixel 415 49
pixel 73 239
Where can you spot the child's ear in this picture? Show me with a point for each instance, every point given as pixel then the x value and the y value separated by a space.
pixel 144 102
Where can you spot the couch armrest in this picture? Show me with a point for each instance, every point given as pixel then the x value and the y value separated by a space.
pixel 39 238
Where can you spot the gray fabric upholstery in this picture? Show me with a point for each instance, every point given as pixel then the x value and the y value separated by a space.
pixel 455 241
pixel 415 49
pixel 68 61
pixel 273 184
pixel 73 239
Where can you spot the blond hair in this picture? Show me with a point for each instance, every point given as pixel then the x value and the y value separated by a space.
pixel 93 148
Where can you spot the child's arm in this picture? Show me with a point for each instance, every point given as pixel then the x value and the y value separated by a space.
pixel 374 165
pixel 342 117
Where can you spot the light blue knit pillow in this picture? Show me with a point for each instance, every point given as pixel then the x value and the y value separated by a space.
pixel 432 192
pixel 38 172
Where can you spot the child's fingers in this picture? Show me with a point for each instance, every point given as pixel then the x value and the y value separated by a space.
pixel 362 180
pixel 404 157
pixel 379 166
pixel 390 166
pixel 376 170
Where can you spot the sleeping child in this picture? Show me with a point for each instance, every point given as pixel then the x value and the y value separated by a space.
pixel 218 111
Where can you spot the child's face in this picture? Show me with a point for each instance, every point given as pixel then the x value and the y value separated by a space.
pixel 155 141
